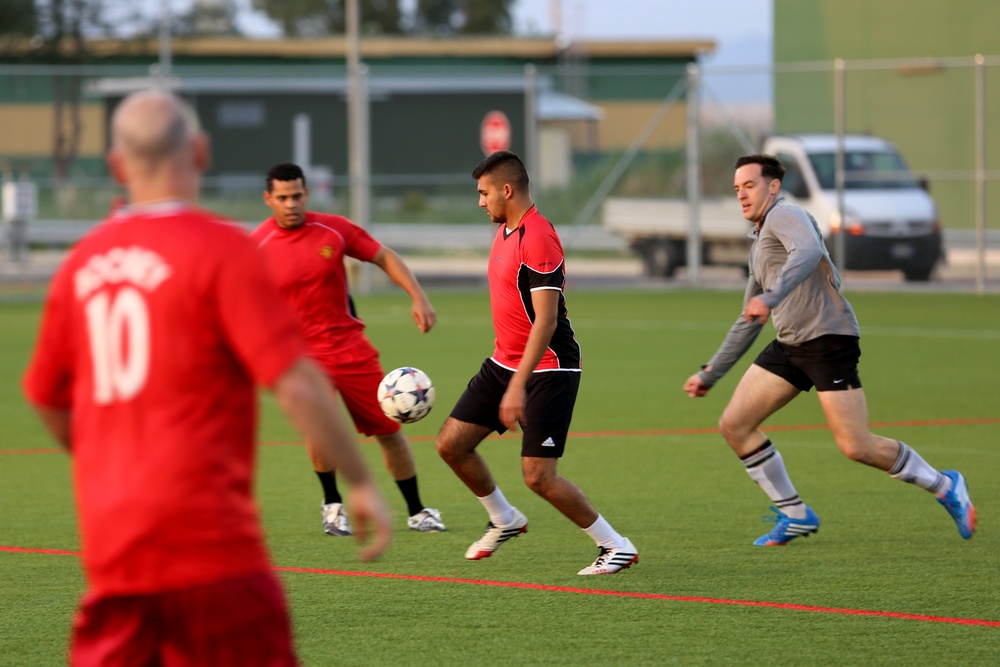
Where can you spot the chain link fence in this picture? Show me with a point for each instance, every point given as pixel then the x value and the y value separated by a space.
pixel 586 131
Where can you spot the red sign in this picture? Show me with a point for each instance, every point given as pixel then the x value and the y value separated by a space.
pixel 494 133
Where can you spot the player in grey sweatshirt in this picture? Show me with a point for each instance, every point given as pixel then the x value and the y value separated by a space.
pixel 793 281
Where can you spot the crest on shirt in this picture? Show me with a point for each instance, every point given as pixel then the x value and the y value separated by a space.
pixel 326 252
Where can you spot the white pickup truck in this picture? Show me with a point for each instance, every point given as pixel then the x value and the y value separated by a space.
pixel 891 221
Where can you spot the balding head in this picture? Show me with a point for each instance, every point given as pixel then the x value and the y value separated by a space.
pixel 157 148
pixel 152 126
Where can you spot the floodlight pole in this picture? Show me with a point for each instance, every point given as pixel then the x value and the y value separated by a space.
pixel 359 165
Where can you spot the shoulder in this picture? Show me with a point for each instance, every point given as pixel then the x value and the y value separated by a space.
pixel 263 229
pixel 538 229
pixel 784 213
pixel 330 220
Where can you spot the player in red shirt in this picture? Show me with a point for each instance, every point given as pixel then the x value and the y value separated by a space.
pixel 156 328
pixel 532 378
pixel 305 252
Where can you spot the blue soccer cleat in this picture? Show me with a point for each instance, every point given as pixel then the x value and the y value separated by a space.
pixel 958 504
pixel 787 529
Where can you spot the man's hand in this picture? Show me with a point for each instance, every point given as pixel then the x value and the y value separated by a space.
pixel 423 314
pixel 366 508
pixel 695 387
pixel 512 406
pixel 756 311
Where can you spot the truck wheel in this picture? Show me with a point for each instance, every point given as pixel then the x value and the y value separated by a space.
pixel 664 256
pixel 657 258
pixel 918 273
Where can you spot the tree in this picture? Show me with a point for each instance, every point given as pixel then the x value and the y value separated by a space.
pixel 62 29
pixel 300 18
pixel 463 17
pixel 304 18
pixel 18 18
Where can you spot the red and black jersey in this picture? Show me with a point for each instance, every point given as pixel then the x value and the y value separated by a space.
pixel 526 259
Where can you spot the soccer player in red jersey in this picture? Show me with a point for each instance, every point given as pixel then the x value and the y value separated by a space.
pixel 532 378
pixel 305 252
pixel 156 328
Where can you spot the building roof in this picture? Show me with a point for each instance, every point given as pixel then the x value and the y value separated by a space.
pixel 546 47
pixel 550 104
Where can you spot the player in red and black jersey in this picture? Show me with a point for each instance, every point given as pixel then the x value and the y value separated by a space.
pixel 533 376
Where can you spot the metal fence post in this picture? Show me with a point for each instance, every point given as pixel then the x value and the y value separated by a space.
pixel 839 92
pixel 980 117
pixel 531 151
pixel 693 174
pixel 358 146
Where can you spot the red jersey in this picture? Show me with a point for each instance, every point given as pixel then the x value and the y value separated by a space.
pixel 526 259
pixel 156 327
pixel 307 263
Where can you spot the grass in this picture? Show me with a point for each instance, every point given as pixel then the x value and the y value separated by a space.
pixel 649 459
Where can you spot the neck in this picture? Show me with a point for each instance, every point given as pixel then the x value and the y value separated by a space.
pixel 516 211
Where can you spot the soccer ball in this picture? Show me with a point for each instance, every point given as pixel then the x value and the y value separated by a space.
pixel 406 395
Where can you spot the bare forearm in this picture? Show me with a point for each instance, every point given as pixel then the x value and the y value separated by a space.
pixel 400 273
pixel 397 270
pixel 534 349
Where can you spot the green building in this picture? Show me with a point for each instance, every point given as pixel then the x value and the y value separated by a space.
pixel 428 100
pixel 909 76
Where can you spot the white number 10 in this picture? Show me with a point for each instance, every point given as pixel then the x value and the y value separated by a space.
pixel 119 344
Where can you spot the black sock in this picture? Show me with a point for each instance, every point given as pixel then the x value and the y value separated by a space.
pixel 330 492
pixel 411 495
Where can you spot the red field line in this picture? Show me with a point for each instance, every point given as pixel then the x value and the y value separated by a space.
pixel 592 591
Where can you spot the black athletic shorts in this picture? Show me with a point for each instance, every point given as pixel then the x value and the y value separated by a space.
pixel 548 409
pixel 830 363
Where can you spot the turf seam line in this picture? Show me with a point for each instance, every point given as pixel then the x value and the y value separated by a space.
pixel 590 591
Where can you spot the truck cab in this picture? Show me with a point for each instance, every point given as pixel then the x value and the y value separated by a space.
pixel 890 221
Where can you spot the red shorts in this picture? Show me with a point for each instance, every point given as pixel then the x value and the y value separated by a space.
pixel 356 373
pixel 240 621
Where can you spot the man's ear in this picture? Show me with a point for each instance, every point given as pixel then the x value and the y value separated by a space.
pixel 114 160
pixel 774 187
pixel 508 191
pixel 202 152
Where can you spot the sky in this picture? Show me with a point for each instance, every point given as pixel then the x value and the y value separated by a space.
pixel 742 30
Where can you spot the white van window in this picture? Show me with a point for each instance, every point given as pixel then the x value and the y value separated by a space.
pixel 864 170
pixel 793 183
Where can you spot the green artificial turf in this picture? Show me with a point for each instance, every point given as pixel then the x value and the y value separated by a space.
pixel 650 460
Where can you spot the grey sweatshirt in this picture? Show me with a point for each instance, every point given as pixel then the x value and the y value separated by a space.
pixel 791 271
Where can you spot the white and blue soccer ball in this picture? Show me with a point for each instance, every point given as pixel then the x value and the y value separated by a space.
pixel 406 395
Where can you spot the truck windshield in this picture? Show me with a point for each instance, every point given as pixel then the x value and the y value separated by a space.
pixel 864 170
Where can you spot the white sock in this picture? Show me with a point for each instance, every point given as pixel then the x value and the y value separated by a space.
pixel 766 467
pixel 501 512
pixel 910 467
pixel 604 535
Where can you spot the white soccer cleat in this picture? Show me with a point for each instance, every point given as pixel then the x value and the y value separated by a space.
pixel 427 520
pixel 335 520
pixel 610 561
pixel 497 535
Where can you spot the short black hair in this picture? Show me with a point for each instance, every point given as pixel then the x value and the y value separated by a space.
pixel 503 166
pixel 770 166
pixel 284 171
